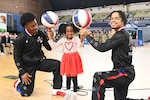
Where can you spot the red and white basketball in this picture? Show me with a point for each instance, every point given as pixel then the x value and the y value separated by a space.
pixel 49 19
pixel 81 18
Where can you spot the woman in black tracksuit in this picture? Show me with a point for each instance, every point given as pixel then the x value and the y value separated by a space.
pixel 122 73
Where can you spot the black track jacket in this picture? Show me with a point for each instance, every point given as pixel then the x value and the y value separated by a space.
pixel 121 46
pixel 27 50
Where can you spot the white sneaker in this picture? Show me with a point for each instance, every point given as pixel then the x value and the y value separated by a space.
pixel 2 54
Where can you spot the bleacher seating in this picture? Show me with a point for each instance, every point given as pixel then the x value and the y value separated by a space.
pixel 60 17
pixel 132 15
pixel 66 18
pixel 96 16
pixel 145 13
pixel 100 16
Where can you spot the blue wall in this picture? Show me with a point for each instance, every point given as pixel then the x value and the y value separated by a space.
pixel 17 17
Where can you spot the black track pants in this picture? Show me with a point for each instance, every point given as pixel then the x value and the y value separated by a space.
pixel 47 65
pixel 118 79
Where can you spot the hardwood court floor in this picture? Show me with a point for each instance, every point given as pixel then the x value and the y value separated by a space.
pixel 92 61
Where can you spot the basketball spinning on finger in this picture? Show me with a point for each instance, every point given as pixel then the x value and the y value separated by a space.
pixel 82 18
pixel 49 19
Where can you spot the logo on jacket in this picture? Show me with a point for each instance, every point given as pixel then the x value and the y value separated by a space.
pixel 40 39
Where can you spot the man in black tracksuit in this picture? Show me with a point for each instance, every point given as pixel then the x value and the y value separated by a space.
pixel 123 71
pixel 29 57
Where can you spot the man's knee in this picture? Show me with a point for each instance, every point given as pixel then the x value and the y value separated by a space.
pixel 25 91
pixel 25 94
pixel 57 65
pixel 97 74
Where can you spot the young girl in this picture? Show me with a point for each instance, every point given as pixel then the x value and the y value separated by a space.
pixel 71 64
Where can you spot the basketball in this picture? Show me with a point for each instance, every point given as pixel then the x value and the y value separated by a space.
pixel 81 18
pixel 49 19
